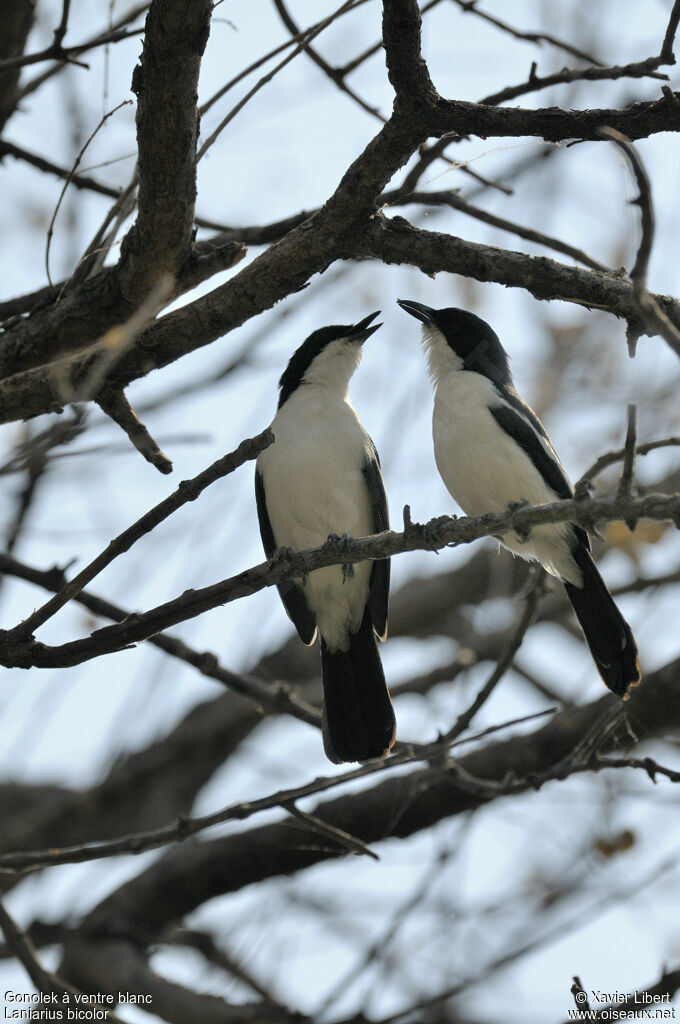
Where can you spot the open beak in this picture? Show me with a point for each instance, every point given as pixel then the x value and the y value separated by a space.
pixel 417 309
pixel 361 331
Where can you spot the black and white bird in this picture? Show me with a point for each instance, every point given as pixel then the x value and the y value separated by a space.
pixel 491 449
pixel 322 476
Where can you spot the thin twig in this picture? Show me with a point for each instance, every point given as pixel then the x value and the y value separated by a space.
pixel 308 36
pixel 267 696
pixel 610 458
pixel 21 861
pixel 335 75
pixel 338 835
pixel 76 164
pixel 42 164
pixel 528 616
pixel 470 7
pixel 299 37
pixel 114 34
pixel 187 491
pixel 651 315
pixel 627 479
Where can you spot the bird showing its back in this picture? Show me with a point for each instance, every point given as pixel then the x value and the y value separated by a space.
pixel 492 449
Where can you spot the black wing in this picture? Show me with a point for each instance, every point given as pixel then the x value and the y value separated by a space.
pixel 291 595
pixel 380 574
pixel 523 425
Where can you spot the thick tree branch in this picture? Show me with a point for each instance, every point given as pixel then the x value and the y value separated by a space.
pixel 117 966
pixel 17 19
pixel 312 246
pixel 397 241
pixel 553 124
pixel 407 71
pixel 166 83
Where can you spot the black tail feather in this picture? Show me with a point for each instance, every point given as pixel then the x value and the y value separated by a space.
pixel 607 633
pixel 358 720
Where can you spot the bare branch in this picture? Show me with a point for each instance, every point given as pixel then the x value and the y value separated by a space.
pixel 76 163
pixel 638 69
pixel 187 491
pixel 647 308
pixel 186 827
pixel 439 533
pixel 470 7
pixel 397 241
pixel 113 34
pixel 526 620
pixel 610 458
pixel 456 202
pixel 77 180
pixel 336 835
pixel 265 696
pixel 627 479
pixel 335 75
pixel 667 47
pixel 115 404
pixel 45 982
pixel 400 806
pixel 166 83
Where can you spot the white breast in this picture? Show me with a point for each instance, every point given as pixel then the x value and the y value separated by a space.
pixel 314 486
pixel 484 469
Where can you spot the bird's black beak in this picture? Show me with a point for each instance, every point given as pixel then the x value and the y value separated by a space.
pixel 361 331
pixel 417 309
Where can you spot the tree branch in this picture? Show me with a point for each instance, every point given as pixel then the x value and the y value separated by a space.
pixel 439 533
pixel 115 404
pixel 17 20
pixel 188 490
pixel 45 982
pixel 399 806
pixel 395 240
pixel 166 83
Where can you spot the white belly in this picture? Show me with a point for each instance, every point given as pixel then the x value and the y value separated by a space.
pixel 483 469
pixel 314 486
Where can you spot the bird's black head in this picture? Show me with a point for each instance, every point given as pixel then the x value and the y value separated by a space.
pixel 318 353
pixel 469 337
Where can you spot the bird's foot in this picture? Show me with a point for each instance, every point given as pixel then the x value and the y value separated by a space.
pixel 522 533
pixel 432 531
pixel 340 542
pixel 282 555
